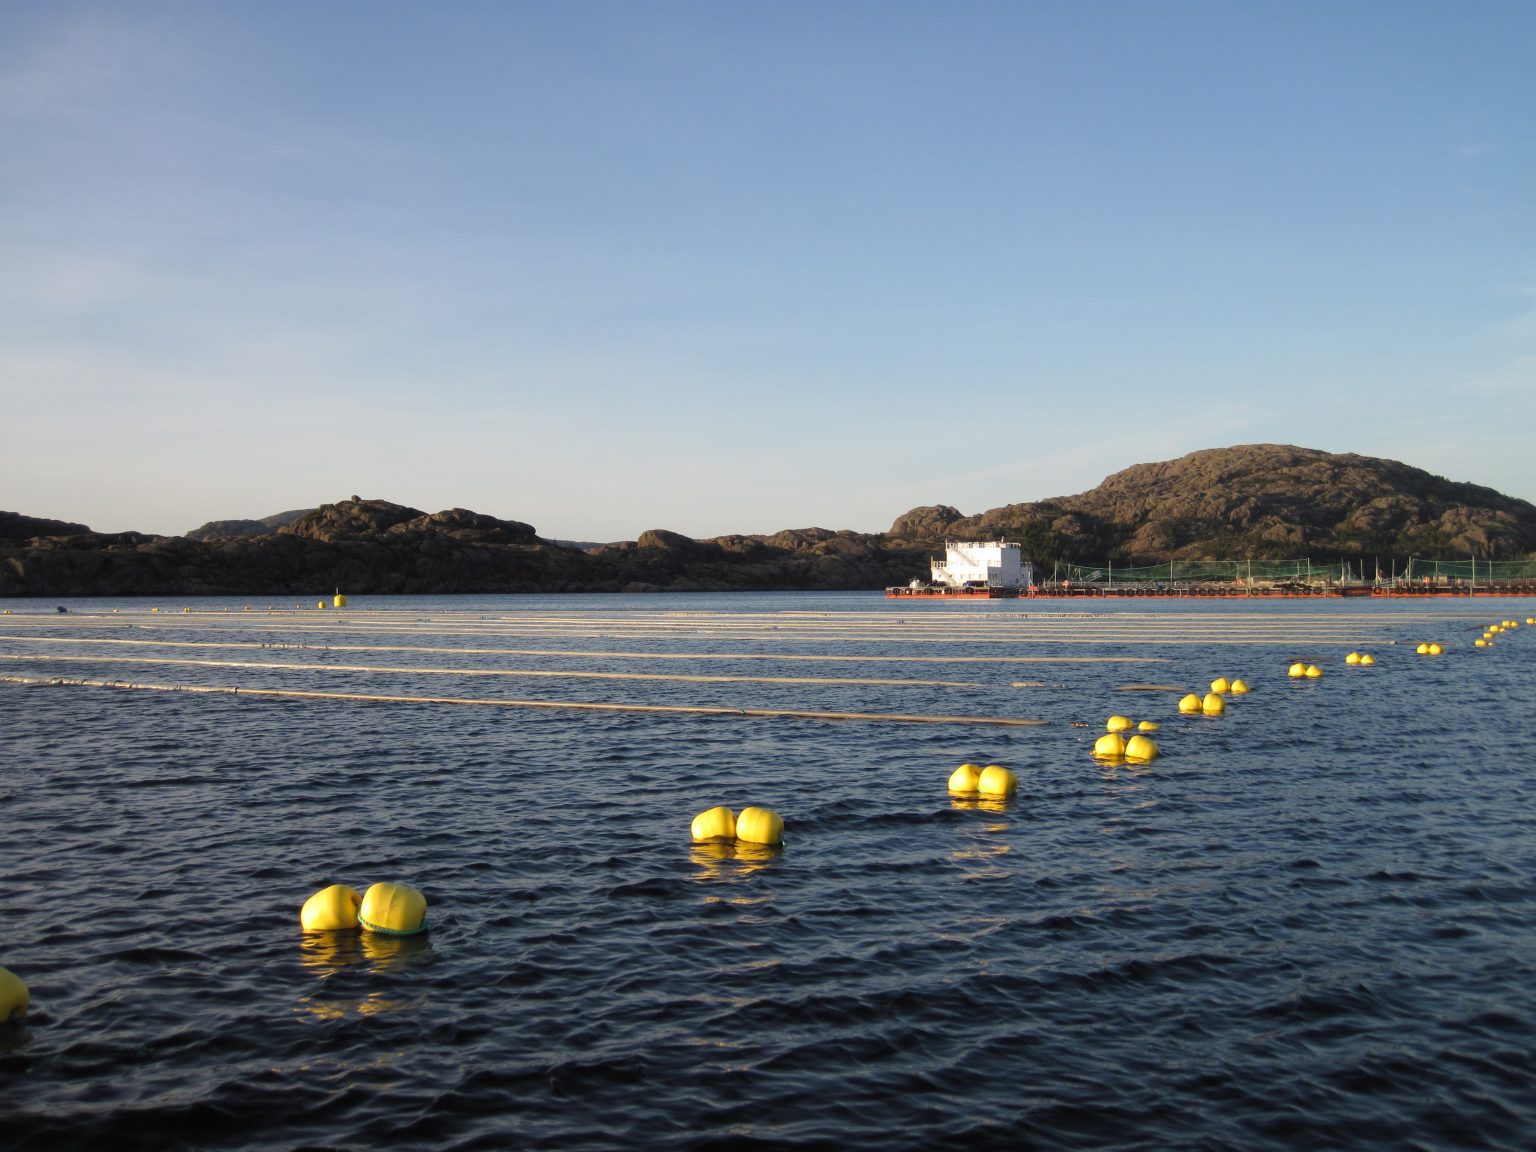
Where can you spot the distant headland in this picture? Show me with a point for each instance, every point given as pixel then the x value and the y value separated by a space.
pixel 1255 501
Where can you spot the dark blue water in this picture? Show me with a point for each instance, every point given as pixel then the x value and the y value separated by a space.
pixel 1310 923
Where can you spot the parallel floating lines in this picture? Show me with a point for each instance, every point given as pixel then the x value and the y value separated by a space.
pixel 573 705
pixel 531 673
pixel 579 653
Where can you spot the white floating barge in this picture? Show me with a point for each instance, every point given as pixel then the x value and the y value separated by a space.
pixel 972 569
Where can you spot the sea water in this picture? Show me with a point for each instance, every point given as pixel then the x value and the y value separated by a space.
pixel 1310 923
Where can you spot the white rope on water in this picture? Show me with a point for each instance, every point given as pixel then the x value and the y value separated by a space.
pixel 574 705
pixel 528 673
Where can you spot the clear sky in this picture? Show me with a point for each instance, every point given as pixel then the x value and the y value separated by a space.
pixel 741 266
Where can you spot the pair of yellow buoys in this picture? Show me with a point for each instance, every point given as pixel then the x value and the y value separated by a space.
pixel 1212 703
pixel 1299 671
pixel 14 997
pixel 393 909
pixel 1429 650
pixel 993 781
pixel 754 825
pixel 1359 658
pixel 1114 746
pixel 1221 685
pixel 1138 749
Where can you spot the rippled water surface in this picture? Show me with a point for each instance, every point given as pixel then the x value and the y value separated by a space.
pixel 1309 923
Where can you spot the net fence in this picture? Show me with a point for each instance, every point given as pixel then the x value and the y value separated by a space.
pixel 1201 572
pixel 1254 572
pixel 1469 571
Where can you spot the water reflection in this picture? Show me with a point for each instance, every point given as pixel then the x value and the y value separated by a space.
pixel 731 859
pixel 328 954
pixel 982 803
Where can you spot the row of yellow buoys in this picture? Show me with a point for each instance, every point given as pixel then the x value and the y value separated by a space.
pixel 393 909
pixel 1494 630
pixel 753 826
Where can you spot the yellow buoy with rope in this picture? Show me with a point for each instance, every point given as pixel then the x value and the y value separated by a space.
pixel 1142 749
pixel 393 909
pixel 760 826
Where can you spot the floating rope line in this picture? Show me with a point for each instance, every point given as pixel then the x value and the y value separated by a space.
pixel 576 652
pixel 531 673
pixel 576 705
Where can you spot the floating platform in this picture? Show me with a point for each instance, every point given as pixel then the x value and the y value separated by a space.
pixel 1067 591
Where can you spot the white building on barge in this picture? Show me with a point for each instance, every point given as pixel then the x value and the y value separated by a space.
pixel 974 568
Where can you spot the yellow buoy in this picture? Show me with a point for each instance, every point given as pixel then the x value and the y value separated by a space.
pixel 963 780
pixel 1480 643
pixel 339 600
pixel 1313 671
pixel 1435 650
pixel 1119 723
pixel 1110 746
pixel 1239 687
pixel 1352 658
pixel 760 826
pixel 1422 649
pixel 1149 726
pixel 997 781
pixel 1141 748
pixel 1190 703
pixel 1221 684
pixel 1213 705
pixel 14 997
pixel 393 909
pixel 1367 658
pixel 1530 619
pixel 1296 671
pixel 330 908
pixel 716 824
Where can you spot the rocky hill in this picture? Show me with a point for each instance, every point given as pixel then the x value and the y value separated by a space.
pixel 1262 501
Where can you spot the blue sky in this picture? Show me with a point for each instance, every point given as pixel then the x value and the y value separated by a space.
pixel 736 267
